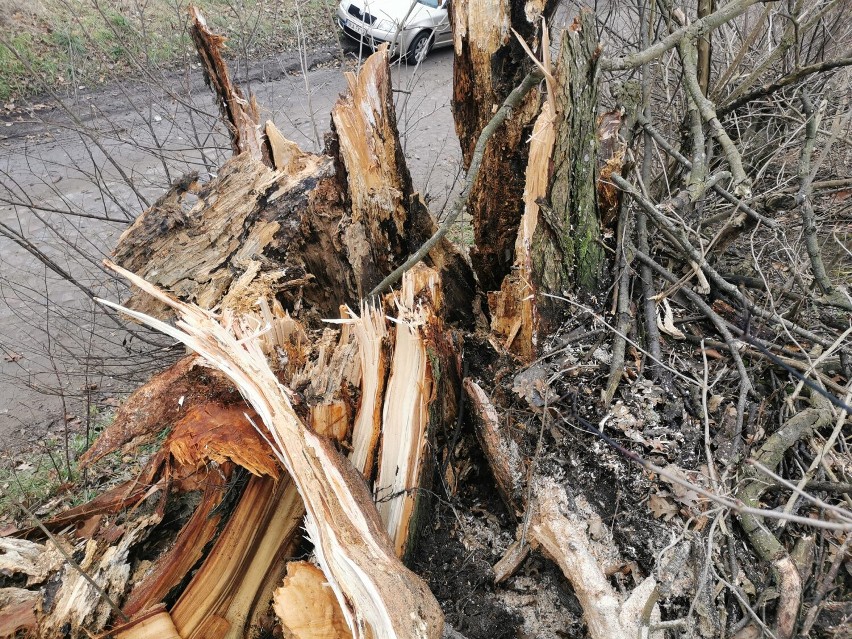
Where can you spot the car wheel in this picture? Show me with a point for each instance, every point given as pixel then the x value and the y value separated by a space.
pixel 420 46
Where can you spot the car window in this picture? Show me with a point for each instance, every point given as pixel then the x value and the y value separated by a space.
pixel 429 3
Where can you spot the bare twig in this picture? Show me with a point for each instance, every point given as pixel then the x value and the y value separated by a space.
pixel 804 197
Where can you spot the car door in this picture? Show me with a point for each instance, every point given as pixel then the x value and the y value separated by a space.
pixel 443 33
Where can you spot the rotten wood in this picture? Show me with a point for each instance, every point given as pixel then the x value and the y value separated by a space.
pixel 305 233
pixel 387 219
pixel 241 115
pixel 489 62
pixel 514 308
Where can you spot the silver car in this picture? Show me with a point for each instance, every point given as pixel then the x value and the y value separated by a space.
pixel 411 28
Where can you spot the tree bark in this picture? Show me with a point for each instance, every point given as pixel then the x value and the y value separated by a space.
pixel 489 62
pixel 567 254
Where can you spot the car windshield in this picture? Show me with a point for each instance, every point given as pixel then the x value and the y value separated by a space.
pixel 429 3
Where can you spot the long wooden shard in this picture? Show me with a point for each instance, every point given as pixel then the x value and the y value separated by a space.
pixel 376 592
pixel 513 308
pixel 239 114
pixel 371 334
pixel 405 416
pixel 217 602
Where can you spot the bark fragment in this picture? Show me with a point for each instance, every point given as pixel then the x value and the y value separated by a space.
pixel 566 252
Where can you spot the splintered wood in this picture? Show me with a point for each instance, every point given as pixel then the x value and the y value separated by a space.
pixel 371 334
pixel 365 124
pixel 306 605
pixel 405 417
pixel 259 415
pixel 513 308
pixel 239 114
pixel 376 592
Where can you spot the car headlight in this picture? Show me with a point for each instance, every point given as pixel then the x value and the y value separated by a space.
pixel 384 25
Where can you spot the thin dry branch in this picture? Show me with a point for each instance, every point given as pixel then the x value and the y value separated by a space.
pixel 692 31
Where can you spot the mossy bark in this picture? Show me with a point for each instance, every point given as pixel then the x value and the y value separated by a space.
pixel 567 254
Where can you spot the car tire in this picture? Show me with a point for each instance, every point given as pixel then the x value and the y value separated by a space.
pixel 419 47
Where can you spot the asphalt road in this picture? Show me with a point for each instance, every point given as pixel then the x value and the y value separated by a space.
pixel 72 178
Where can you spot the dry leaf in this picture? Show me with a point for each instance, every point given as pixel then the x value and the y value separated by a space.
pixel 661 507
pixel 714 402
pixel 683 494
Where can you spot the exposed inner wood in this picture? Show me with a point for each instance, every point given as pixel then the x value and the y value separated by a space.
pixel 374 347
pixel 155 624
pixel 212 432
pixel 514 317
pixel 373 587
pixel 158 404
pixel 171 567
pixel 405 417
pixel 306 605
pixel 219 599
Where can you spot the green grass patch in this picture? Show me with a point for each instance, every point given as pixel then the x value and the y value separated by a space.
pixel 41 475
pixel 63 44
pixel 48 478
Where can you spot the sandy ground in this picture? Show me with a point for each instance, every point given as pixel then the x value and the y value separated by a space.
pixel 61 357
